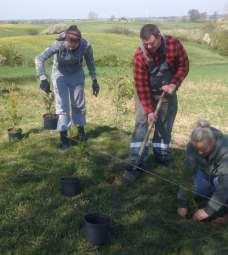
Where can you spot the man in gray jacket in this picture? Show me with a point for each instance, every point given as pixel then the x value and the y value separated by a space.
pixel 207 163
pixel 68 80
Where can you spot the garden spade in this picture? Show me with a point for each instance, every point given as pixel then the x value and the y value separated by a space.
pixel 132 172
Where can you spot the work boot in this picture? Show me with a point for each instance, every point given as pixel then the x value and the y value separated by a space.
pixel 131 176
pixel 64 141
pixel 163 159
pixel 131 172
pixel 129 163
pixel 81 134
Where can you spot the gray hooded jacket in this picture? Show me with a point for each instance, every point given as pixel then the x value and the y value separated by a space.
pixel 67 62
pixel 215 165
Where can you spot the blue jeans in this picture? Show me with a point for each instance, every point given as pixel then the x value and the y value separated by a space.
pixel 204 185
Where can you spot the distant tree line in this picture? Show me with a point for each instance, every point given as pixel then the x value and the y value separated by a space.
pixel 195 15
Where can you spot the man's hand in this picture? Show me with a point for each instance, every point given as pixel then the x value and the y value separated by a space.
pixel 169 89
pixel 96 88
pixel 45 86
pixel 200 215
pixel 182 212
pixel 151 117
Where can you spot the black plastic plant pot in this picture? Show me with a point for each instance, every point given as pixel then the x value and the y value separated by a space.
pixel 70 186
pixel 50 121
pixel 14 134
pixel 97 228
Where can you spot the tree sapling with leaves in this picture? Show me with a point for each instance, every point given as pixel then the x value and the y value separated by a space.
pixel 50 118
pixel 13 115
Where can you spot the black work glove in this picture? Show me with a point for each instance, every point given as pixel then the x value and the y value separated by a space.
pixel 45 86
pixel 95 87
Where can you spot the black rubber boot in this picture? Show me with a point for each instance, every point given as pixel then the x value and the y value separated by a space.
pixel 131 172
pixel 81 134
pixel 64 141
pixel 162 159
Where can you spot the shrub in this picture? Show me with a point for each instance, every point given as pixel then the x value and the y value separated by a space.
pixel 48 100
pixel 123 92
pixel 9 55
pixel 12 107
pixel 32 31
pixel 218 35
pixel 55 29
pixel 209 26
pixel 193 35
pixel 121 31
pixel 5 90
pixel 111 60
pixel 221 42
pixel 2 60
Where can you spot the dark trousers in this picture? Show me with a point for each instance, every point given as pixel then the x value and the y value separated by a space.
pixel 163 127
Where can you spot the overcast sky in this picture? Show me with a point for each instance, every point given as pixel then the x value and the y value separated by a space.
pixel 76 9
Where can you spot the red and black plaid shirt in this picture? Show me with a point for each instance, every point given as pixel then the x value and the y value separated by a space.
pixel 177 59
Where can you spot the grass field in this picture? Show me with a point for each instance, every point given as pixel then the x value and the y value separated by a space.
pixel 34 216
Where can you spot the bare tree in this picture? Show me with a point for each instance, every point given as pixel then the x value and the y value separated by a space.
pixel 194 15
pixel 215 16
pixel 92 15
pixel 113 18
pixel 203 16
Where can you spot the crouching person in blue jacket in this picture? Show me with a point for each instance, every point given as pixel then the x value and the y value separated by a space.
pixel 207 166
pixel 68 80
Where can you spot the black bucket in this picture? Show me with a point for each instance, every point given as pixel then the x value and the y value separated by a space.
pixel 14 134
pixel 50 121
pixel 70 186
pixel 97 228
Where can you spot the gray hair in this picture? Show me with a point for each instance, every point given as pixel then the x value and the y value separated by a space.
pixel 202 131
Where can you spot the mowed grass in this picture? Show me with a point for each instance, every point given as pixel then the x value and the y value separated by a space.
pixel 35 218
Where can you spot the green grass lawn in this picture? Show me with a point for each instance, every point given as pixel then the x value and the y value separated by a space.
pixel 35 218
pixel 19 29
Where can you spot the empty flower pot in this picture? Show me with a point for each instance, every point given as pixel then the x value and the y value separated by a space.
pixel 14 134
pixel 70 186
pixel 97 228
pixel 50 121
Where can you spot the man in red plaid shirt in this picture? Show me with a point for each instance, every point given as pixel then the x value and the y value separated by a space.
pixel 160 64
